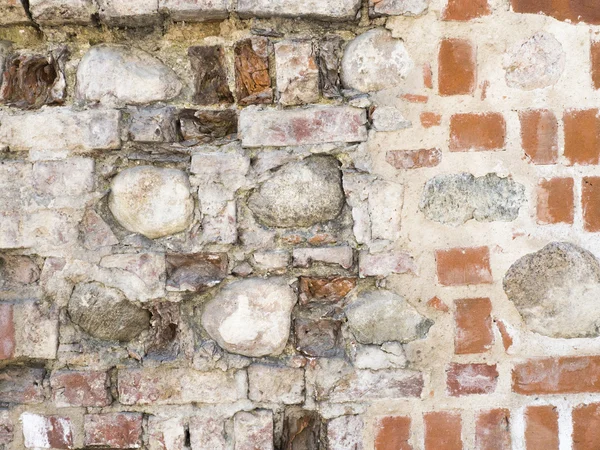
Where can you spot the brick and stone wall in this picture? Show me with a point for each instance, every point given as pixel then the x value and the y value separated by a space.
pixel 300 224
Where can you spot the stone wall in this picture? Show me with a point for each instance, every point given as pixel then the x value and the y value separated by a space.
pixel 300 224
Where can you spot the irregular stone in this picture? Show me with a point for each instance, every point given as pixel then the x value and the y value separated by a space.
pixel 301 429
pixel 275 384
pixel 195 10
pixel 316 125
pixel 105 313
pixel 374 61
pixel 297 73
pixel 36 331
pixel 345 432
pixel 325 289
pixel 147 268
pixel 556 290
pixel 536 63
pixel 454 199
pixel 48 229
pixel 251 317
pixel 210 74
pixel 17 270
pixel 96 232
pixel 378 316
pixel 252 79
pixel 300 194
pixel 31 81
pixel 23 385
pixel 61 129
pixel 196 272
pixel 166 433
pixel 330 55
pixel 379 8
pixel 152 201
pixel 13 13
pixel 388 118
pixel 153 125
pixel 47 431
pixel 117 75
pixel 67 178
pixel 130 13
pixel 305 257
pixel 313 9
pixel 385 264
pixel 253 430
pixel 206 126
pixel 208 433
pixel 61 12
pixel 317 331
pixel 389 356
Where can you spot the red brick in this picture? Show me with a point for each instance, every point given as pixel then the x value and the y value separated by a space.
pixel 492 430
pixel 443 431
pixel 572 10
pixel 430 119
pixel 507 340
pixel 49 431
pixel 414 159
pixel 539 135
pixel 463 10
pixel 457 67
pixel 438 304
pixel 541 428
pixel 586 427
pixel 477 132
pixel 415 98
pixel 80 389
pixel 473 319
pixel 555 201
pixel 582 136
pixel 113 430
pixel 590 203
pixel 595 60
pixel 564 375
pixel 470 379
pixel 7 332
pixel 427 76
pixel 393 433
pixel 463 266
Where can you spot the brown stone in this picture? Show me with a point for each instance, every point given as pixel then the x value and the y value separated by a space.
pixel 492 430
pixel 470 379
pixel 443 430
pixel 586 427
pixel 457 67
pixel 301 430
pixel 393 433
pixel 195 272
pixel 463 10
pixel 206 126
pixel 330 53
pixel 541 428
pixel 582 136
pixel 325 289
pixel 252 78
pixel 473 326
pixel 477 132
pixel 414 159
pixel 539 135
pixel 32 81
pixel 555 201
pixel 590 202
pixel 21 385
pixel 210 72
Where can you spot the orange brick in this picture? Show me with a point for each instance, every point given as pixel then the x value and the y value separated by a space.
pixel 437 304
pixel 555 201
pixel 415 98
pixel 443 431
pixel 427 76
pixel 473 318
pixel 393 433
pixel 457 67
pixel 586 427
pixel 539 135
pixel 471 379
pixel 595 60
pixel 492 430
pixel 541 428
pixel 463 10
pixel 414 159
pixel 430 119
pixel 7 331
pixel 463 266
pixel 507 340
pixel 582 136
pixel 590 202
pixel 477 132
pixel 563 375
pixel 571 10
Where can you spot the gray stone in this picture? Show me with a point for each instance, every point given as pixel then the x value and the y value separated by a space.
pixel 105 313
pixel 375 61
pixel 314 9
pixel 388 356
pixel 119 75
pixel 397 7
pixel 330 55
pixel 556 290
pixel 388 118
pixel 377 316
pixel 60 12
pixel 129 13
pixel 195 10
pixel 342 256
pixel 152 201
pixel 251 317
pixel 454 199
pixel 275 384
pixel 345 432
pixel 153 125
pixel 301 194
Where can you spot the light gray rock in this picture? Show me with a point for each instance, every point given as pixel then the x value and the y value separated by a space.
pixel 345 432
pixel 253 430
pixel 397 7
pixel 374 61
pixel 129 13
pixel 251 317
pixel 275 384
pixel 456 198
pixel 378 316
pixel 556 290
pixel 301 194
pixel 119 75
pixel 153 125
pixel 105 313
pixel 388 118
pixel 152 201
pixel 314 9
pixel 391 355
pixel 297 72
pixel 60 12
pixel 342 256
pixel 195 10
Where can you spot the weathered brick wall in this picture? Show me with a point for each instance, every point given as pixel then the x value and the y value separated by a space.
pixel 300 224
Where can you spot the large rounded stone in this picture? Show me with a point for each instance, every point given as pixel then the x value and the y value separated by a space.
pixel 105 313
pixel 251 317
pixel 152 201
pixel 379 316
pixel 557 291
pixel 375 61
pixel 301 194
pixel 118 75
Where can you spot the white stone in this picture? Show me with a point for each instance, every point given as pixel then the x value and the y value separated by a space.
pixel 388 118
pixel 316 9
pixel 152 201
pixel 272 260
pixel 305 257
pixel 345 433
pixel 208 433
pixel 166 433
pixel 275 384
pixel 195 10
pixel 374 61
pixel 376 358
pixel 149 268
pixel 297 72
pixel 398 7
pixel 128 13
pixel 385 264
pixel 253 430
pixel 71 177
pixel 60 12
pixel 118 75
pixel 36 332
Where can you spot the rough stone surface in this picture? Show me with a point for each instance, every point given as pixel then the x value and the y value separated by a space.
pixel 59 12
pixel 151 201
pixel 119 75
pixel 132 13
pixel 252 79
pixel 153 125
pixel 330 55
pixel 253 430
pixel 206 126
pixel 251 317
pixel 555 290
pixel 208 64
pixel 397 7
pixel 536 63
pixel 195 10
pixel 342 10
pixel 345 432
pixel 375 61
pixel 455 199
pixel 388 118
pixel 288 198
pixel 275 384
pixel 297 72
pixel 13 13
pixel 195 272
